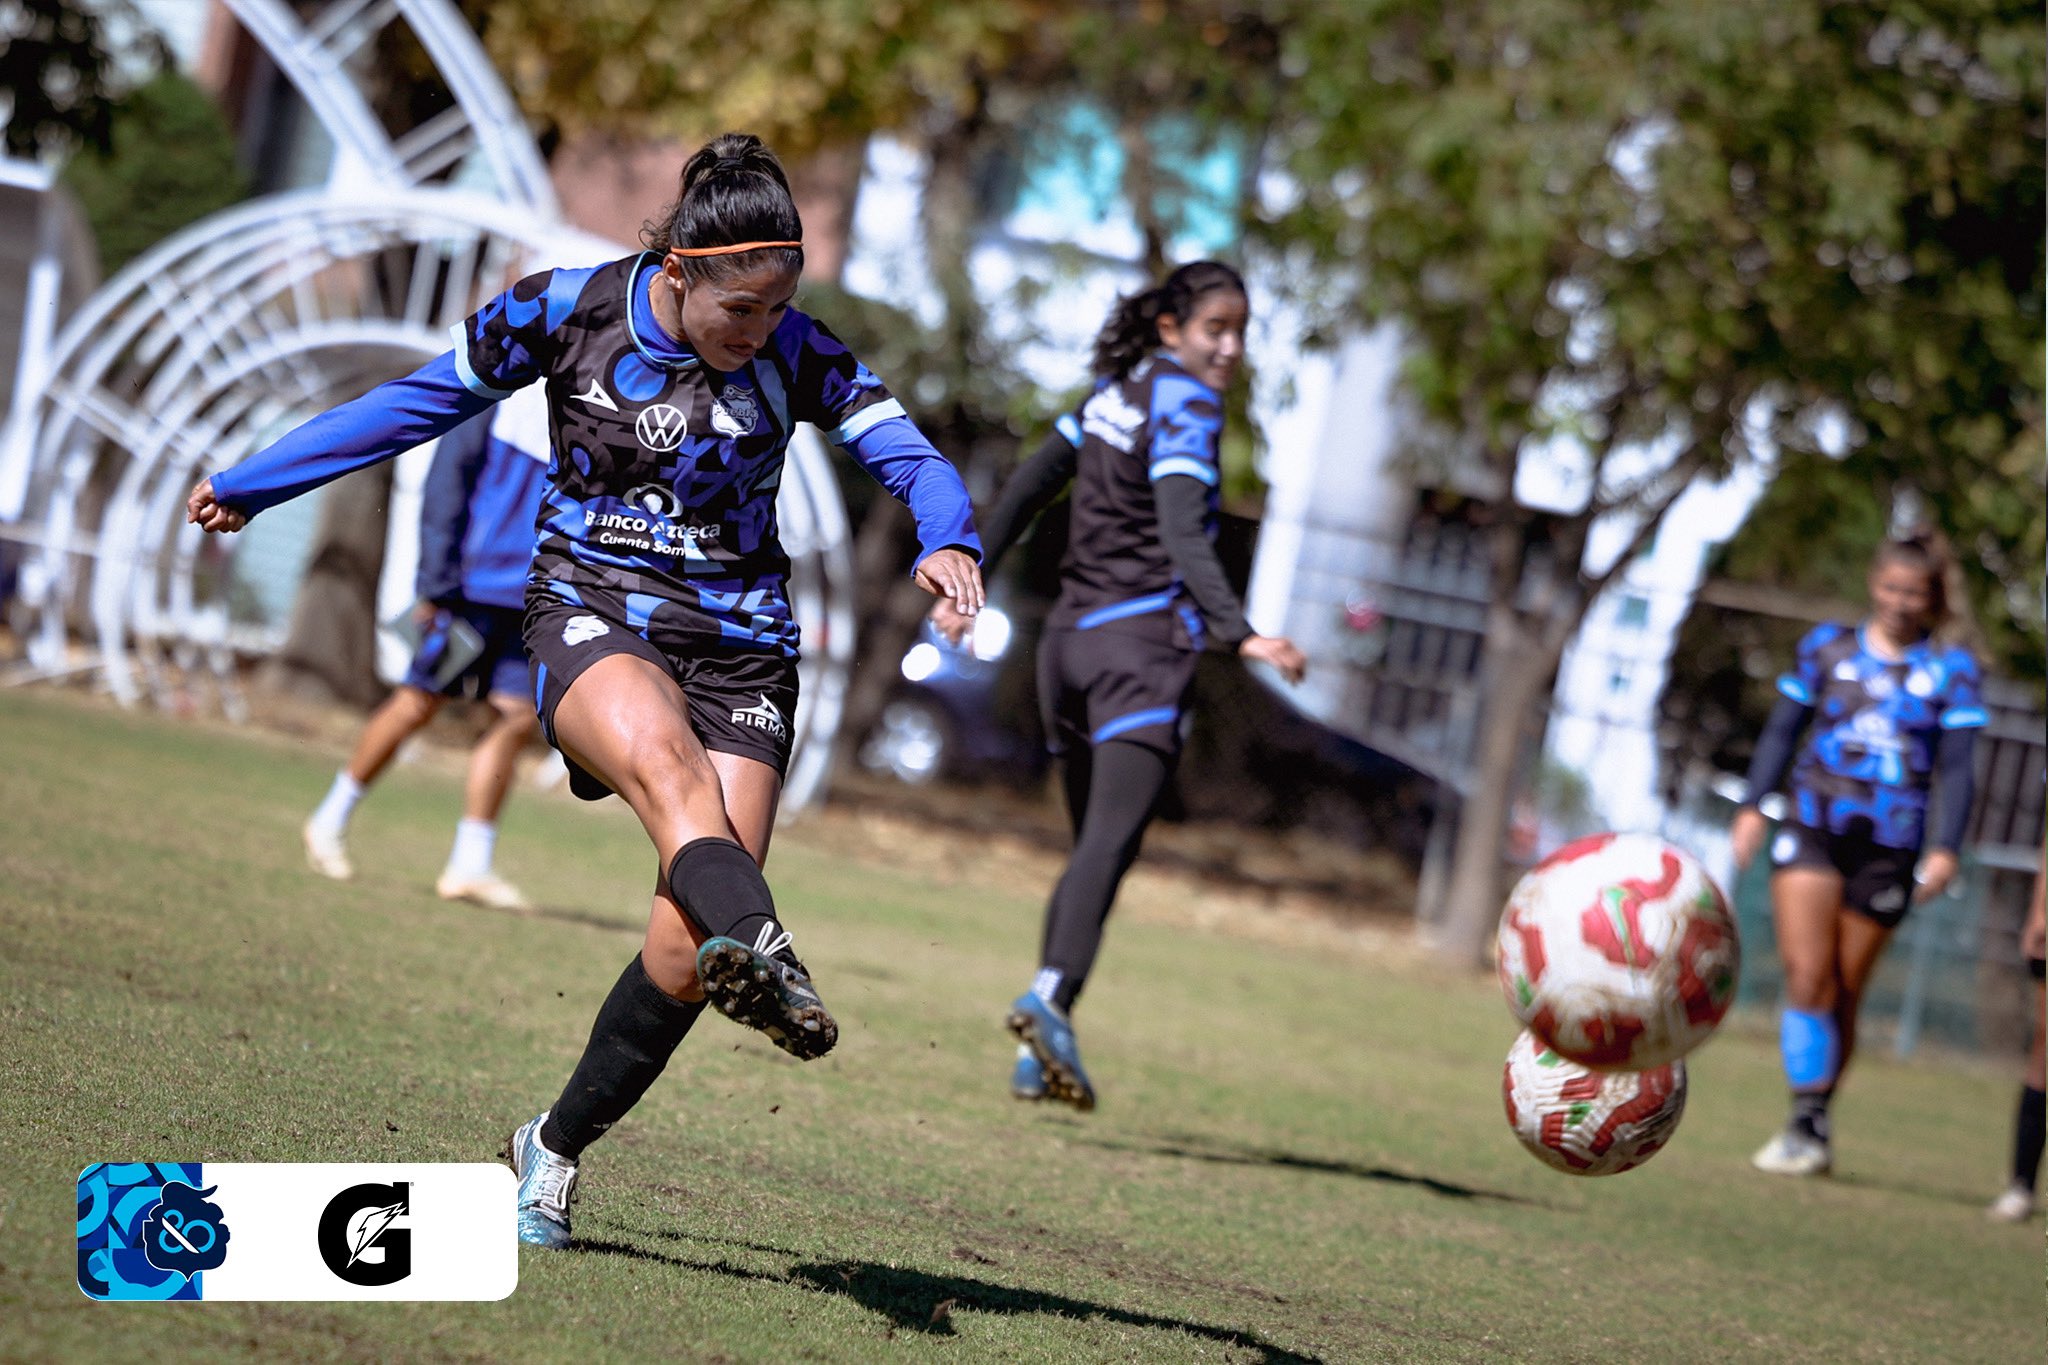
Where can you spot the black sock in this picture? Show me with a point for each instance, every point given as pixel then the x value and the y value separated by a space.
pixel 1810 1113
pixel 636 1031
pixel 2029 1128
pixel 721 889
pixel 1122 789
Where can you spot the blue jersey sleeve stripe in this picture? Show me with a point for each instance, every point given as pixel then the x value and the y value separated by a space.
pixel 851 429
pixel 1070 427
pixel 1135 720
pixel 1182 464
pixel 1794 686
pixel 468 375
pixel 1964 718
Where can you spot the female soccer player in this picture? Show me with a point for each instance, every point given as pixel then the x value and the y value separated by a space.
pixel 1141 588
pixel 656 616
pixel 1891 708
pixel 2030 1122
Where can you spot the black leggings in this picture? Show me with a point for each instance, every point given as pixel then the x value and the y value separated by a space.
pixel 1112 790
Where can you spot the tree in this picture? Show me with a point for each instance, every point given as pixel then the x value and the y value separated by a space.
pixel 170 161
pixel 1664 239
pixel 63 65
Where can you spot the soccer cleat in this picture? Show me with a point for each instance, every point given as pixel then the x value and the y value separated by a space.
pixel 1046 1032
pixel 490 891
pixel 1027 1078
pixel 2016 1205
pixel 326 853
pixel 545 1183
pixel 754 987
pixel 1793 1153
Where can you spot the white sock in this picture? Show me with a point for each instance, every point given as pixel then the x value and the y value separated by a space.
pixel 1046 984
pixel 333 812
pixel 475 840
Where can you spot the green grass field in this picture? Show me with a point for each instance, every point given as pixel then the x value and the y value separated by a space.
pixel 1300 1153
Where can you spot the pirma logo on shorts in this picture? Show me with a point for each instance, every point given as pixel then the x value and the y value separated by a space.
pixel 763 717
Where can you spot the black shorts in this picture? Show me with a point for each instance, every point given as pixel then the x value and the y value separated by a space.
pixel 1103 684
pixel 2037 967
pixel 742 701
pixel 1877 882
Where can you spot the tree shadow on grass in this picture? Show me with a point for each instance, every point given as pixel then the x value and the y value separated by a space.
pixel 1188 1148
pixel 918 1301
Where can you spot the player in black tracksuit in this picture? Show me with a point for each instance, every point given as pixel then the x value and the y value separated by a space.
pixel 1141 591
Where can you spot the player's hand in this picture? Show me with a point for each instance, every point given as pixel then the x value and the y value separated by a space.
pixel 1746 835
pixel 205 511
pixel 1936 871
pixel 1277 650
pixel 424 612
pixel 950 622
pixel 952 575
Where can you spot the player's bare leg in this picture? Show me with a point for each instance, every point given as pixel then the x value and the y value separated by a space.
pixel 403 714
pixel 1806 909
pixel 469 874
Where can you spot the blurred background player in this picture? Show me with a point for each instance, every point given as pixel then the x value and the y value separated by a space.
pixel 1886 709
pixel 2030 1123
pixel 1141 588
pixel 477 517
pixel 658 618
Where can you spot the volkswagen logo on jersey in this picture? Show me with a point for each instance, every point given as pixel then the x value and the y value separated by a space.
pixel 656 500
pixel 583 628
pixel 733 412
pixel 660 427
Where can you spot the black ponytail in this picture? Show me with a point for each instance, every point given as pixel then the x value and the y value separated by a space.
pixel 1132 331
pixel 733 190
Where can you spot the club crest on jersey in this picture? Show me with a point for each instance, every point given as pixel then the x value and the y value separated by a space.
pixel 1110 417
pixel 733 412
pixel 661 427
pixel 581 629
pixel 762 717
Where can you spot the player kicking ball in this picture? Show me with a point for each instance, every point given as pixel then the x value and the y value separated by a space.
pixel 657 611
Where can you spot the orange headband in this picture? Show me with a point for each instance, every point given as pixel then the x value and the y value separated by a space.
pixel 732 250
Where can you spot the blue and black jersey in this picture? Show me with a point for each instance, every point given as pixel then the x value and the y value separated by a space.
pixel 662 484
pixel 1869 756
pixel 1141 457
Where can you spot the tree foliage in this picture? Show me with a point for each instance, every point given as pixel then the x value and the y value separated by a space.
pixel 60 71
pixel 1716 232
pixel 171 161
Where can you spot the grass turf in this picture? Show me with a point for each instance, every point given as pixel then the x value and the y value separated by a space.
pixel 1300 1154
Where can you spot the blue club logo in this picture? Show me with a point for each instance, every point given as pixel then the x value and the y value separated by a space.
pixel 185 1233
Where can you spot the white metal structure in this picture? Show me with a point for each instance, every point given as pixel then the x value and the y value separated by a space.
pixel 219 338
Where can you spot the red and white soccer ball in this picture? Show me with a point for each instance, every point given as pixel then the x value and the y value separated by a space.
pixel 1618 951
pixel 1586 1122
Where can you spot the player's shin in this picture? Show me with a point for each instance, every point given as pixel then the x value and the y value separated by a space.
pixel 721 889
pixel 636 1031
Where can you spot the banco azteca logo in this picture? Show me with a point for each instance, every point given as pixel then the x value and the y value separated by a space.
pixel 656 500
pixel 660 427
pixel 365 1235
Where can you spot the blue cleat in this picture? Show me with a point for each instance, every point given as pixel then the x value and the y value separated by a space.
pixel 1044 1030
pixel 764 987
pixel 545 1183
pixel 1027 1078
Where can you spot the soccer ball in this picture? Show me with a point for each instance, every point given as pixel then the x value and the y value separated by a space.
pixel 1619 952
pixel 1589 1122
